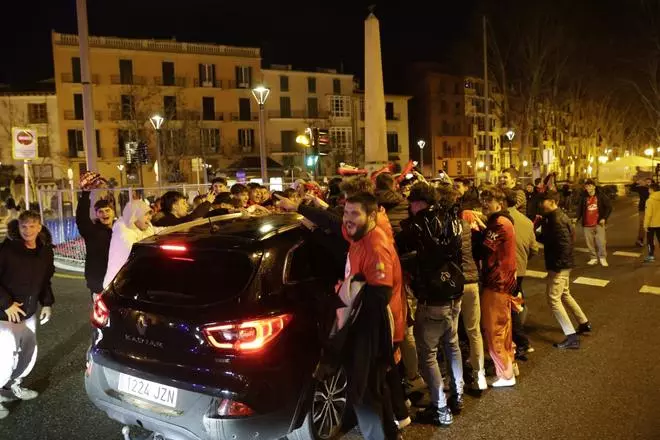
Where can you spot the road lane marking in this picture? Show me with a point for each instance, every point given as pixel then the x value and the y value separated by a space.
pixel 70 277
pixel 535 274
pixel 627 254
pixel 591 281
pixel 650 289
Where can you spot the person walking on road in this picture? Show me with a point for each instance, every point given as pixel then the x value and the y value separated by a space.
pixel 652 221
pixel 26 269
pixel 642 187
pixel 498 260
pixel 97 234
pixel 557 236
pixel 594 209
pixel 526 247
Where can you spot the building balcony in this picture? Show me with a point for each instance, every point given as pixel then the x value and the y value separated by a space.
pixel 69 79
pixel 70 115
pixel 297 114
pixel 243 149
pixel 393 117
pixel 254 116
pixel 38 119
pixel 217 116
pixel 128 81
pixel 177 81
pixel 215 84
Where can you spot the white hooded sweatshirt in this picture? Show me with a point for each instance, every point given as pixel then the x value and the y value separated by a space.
pixel 124 235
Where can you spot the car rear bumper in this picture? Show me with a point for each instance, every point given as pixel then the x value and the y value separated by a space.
pixel 191 419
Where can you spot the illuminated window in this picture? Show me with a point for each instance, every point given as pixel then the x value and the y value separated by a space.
pixel 340 106
pixel 342 138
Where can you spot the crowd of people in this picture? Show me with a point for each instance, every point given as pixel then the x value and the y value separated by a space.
pixel 435 261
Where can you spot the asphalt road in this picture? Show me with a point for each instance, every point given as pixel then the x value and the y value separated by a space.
pixel 609 389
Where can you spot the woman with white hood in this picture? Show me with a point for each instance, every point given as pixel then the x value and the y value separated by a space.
pixel 133 226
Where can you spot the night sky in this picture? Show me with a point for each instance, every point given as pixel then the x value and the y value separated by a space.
pixel 305 34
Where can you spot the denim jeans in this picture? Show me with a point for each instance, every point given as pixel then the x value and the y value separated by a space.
pixel 471 311
pixel 437 327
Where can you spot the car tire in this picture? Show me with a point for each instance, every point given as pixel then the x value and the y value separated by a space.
pixel 325 418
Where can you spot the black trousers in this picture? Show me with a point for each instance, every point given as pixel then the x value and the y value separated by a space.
pixel 397 393
pixel 650 239
pixel 518 331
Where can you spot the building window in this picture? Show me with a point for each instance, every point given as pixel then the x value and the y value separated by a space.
pixel 285 107
pixel 389 111
pixel 207 75
pixel 125 72
pixel 445 128
pixel 481 124
pixel 340 106
pixel 288 141
pixel 244 112
pixel 43 172
pixel 457 109
pixel 342 138
pixel 243 77
pixel 284 83
pixel 246 139
pixel 78 106
pixel 443 106
pixel 208 108
pixel 127 107
pixel 393 143
pixel 445 165
pixel 336 86
pixel 75 142
pixel 75 70
pixel 459 167
pixel 168 73
pixel 311 85
pixel 312 107
pixel 169 105
pixel 210 138
pixel 43 146
pixel 37 113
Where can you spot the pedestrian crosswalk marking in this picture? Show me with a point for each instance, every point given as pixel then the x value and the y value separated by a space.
pixel 650 289
pixel 627 254
pixel 591 281
pixel 68 276
pixel 536 274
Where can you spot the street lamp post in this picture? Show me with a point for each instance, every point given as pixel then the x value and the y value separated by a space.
pixel 120 167
pixel 260 94
pixel 510 135
pixel 157 122
pixel 421 143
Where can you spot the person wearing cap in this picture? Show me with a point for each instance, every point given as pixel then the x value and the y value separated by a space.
pixel 594 209
pixel 557 236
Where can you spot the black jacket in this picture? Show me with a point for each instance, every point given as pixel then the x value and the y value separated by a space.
pixel 557 238
pixel 604 206
pixel 97 244
pixel 170 220
pixel 396 207
pixel 643 192
pixel 435 235
pixel 25 274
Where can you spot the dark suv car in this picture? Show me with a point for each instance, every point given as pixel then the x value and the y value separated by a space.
pixel 214 330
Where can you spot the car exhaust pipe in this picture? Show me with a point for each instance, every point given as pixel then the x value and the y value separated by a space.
pixel 126 432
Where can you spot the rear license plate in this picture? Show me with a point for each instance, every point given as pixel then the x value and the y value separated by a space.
pixel 145 389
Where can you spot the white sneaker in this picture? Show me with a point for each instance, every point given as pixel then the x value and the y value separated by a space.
pixel 499 383
pixel 4 412
pixel 516 370
pixel 481 383
pixel 401 424
pixel 23 393
pixel 603 262
pixel 592 262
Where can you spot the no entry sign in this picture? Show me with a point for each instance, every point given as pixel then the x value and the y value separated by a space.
pixel 24 143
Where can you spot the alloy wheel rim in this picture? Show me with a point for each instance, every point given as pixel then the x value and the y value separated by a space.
pixel 329 405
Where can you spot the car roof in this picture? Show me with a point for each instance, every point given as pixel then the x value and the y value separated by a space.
pixel 231 227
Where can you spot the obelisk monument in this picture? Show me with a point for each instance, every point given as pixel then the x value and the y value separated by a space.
pixel 375 127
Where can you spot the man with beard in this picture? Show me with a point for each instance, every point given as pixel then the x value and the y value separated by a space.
pixel 498 254
pixel 97 234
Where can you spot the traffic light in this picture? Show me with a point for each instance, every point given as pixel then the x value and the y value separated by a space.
pixel 323 136
pixel 312 160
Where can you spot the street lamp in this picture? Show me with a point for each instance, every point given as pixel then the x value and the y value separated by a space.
pixel 260 94
pixel 421 143
pixel 525 163
pixel 69 174
pixel 121 167
pixel 510 135
pixel 157 122
pixel 649 152
pixel 481 164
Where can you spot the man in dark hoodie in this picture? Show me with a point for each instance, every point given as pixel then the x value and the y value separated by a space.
pixel 26 269
pixel 175 207
pixel 97 235
pixel 396 206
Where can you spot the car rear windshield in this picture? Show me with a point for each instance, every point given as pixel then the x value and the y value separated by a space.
pixel 184 279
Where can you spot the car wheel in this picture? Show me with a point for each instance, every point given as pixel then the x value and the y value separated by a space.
pixel 325 418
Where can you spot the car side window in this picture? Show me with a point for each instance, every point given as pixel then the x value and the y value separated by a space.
pixel 298 266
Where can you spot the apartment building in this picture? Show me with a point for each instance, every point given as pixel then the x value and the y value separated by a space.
pixel 202 90
pixel 38 111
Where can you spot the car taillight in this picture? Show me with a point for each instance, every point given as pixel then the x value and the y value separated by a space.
pixel 248 336
pixel 229 408
pixel 173 247
pixel 100 313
